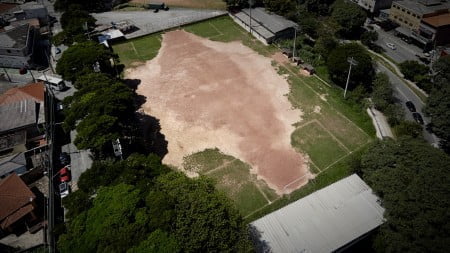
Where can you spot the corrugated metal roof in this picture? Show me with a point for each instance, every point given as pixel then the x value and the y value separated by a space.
pixel 12 163
pixel 324 220
pixel 18 114
pixel 274 23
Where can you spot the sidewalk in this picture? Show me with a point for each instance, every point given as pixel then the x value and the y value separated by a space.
pixel 380 123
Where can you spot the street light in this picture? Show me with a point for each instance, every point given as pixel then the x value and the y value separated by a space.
pixel 250 3
pixel 352 62
pixel 295 38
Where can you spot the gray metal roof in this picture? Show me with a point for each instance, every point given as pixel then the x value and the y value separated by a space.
pixel 19 114
pixel 15 38
pixel 322 221
pixel 274 23
pixel 421 8
pixel 261 30
pixel 12 163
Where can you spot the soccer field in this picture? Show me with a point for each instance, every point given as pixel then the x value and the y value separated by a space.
pixel 329 132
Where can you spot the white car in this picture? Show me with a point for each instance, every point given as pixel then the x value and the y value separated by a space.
pixel 64 189
pixel 391 46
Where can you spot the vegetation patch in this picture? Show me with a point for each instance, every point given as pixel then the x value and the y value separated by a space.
pixel 136 51
pixel 320 146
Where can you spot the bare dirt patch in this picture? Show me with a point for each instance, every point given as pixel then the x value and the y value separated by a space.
pixel 211 94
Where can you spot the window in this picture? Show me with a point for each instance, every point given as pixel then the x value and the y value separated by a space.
pixel 9 51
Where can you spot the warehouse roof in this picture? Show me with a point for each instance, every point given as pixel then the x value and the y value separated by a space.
pixel 19 114
pixel 323 221
pixel 422 8
pixel 272 22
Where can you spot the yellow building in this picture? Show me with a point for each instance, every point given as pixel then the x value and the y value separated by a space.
pixel 409 13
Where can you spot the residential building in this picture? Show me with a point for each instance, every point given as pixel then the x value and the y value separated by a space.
pixel 16 47
pixel 15 163
pixel 17 205
pixel 435 30
pixel 409 14
pixel 373 6
pixel 266 27
pixel 22 114
pixel 327 220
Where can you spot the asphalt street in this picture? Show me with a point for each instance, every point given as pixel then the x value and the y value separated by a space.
pixel 403 51
pixel 403 93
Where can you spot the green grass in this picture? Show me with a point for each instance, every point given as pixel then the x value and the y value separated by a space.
pixel 232 177
pixel 209 159
pixel 139 50
pixel 321 147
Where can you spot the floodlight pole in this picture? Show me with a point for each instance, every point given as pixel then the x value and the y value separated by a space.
pixel 250 3
pixel 352 62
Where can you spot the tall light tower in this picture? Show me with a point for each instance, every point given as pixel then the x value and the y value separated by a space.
pixel 352 62
pixel 295 38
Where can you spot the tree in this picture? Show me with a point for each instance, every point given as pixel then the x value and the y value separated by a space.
pixel 320 7
pixel 87 5
pixel 324 45
pixel 437 108
pixel 441 69
pixel 382 94
pixel 349 16
pixel 75 23
pixel 413 70
pixel 369 37
pixel 157 242
pixel 412 179
pixel 408 128
pixel 80 59
pixel 362 74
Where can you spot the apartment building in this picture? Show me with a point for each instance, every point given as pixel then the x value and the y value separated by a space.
pixel 373 6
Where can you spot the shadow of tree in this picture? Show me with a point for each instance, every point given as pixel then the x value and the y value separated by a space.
pixel 260 245
pixel 153 141
pixel 132 83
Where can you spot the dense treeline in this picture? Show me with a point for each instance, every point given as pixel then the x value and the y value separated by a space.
pixel 141 205
pixel 412 180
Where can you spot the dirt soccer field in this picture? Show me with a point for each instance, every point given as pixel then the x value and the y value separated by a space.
pixel 211 94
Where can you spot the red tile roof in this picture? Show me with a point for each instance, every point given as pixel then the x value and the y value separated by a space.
pixel 33 91
pixel 15 200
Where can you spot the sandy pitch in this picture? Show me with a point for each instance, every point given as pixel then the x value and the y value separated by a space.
pixel 211 94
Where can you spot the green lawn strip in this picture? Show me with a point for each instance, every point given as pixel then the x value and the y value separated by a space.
pixel 269 192
pixel 139 49
pixel 320 146
pixel 206 160
pixel 336 172
pixel 236 182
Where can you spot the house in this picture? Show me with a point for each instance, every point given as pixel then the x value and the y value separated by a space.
pixel 373 6
pixel 15 163
pixel 16 46
pixel 17 205
pixel 266 27
pixel 327 220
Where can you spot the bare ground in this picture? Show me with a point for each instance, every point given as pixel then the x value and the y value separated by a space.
pixel 211 94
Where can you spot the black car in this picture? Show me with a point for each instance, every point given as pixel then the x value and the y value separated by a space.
pixel 410 106
pixel 64 158
pixel 418 118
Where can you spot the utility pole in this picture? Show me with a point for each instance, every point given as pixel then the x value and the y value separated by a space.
pixel 9 78
pixel 295 38
pixel 250 3
pixel 352 62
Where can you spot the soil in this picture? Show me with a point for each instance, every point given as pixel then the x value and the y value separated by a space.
pixel 210 94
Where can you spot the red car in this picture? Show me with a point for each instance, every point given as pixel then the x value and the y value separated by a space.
pixel 64 174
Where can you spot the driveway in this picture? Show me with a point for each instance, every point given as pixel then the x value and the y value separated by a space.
pixel 403 93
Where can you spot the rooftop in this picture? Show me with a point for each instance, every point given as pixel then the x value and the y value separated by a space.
pixel 12 163
pixel 438 20
pixel 15 38
pixel 33 91
pixel 18 114
pixel 272 22
pixel 323 221
pixel 421 8
pixel 15 200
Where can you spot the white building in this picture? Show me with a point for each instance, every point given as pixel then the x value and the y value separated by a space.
pixel 373 6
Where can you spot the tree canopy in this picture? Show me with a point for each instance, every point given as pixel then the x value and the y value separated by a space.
pixel 349 16
pixel 412 179
pixel 437 108
pixel 81 59
pixel 362 74
pixel 140 206
pixel 76 22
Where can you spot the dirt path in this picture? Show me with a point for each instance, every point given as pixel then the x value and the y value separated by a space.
pixel 213 94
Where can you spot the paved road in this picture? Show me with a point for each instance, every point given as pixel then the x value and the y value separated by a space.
pixel 403 51
pixel 404 93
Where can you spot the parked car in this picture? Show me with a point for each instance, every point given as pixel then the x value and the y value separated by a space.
pixel 418 118
pixel 64 174
pixel 64 189
pixel 391 46
pixel 411 107
pixel 64 158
